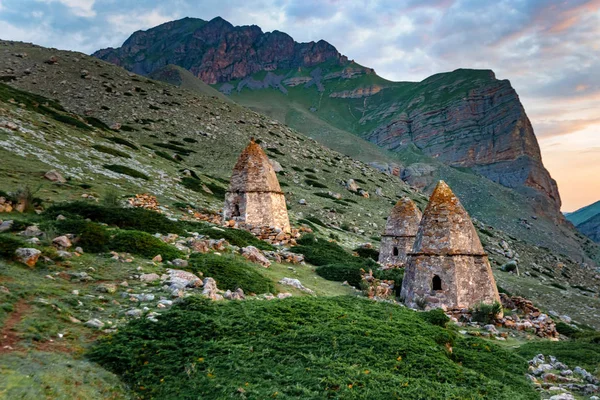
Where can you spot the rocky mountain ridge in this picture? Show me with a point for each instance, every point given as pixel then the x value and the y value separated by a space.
pixel 465 118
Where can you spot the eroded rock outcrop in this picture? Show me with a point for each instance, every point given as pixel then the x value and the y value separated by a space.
pixel 216 51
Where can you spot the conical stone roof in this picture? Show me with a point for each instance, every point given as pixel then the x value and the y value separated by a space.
pixel 446 228
pixel 253 172
pixel 404 219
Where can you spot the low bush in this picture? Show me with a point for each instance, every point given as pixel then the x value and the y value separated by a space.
pixel 566 329
pixel 435 317
pixel 306 348
pixel 165 155
pixel 316 184
pixel 122 169
pixel 124 142
pixel 579 352
pixel 196 185
pixel 91 236
pixel 486 313
pixel 177 149
pixel 351 273
pixel 364 252
pixel 111 151
pixel 8 246
pixel 125 218
pixel 316 220
pixel 322 252
pixel 143 244
pixel 95 122
pixel 190 140
pixel 236 237
pixel 558 285
pixel 232 272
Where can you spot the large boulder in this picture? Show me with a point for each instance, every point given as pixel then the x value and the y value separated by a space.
pixel 179 279
pixel 254 255
pixel 210 290
pixel 55 176
pixel 62 242
pixel 28 256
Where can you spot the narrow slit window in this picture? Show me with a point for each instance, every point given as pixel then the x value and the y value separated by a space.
pixel 436 283
pixel 395 251
pixel 236 210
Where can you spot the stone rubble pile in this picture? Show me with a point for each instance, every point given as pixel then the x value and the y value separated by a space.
pixel 7 206
pixel 144 200
pixel 559 381
pixel 377 288
pixel 527 317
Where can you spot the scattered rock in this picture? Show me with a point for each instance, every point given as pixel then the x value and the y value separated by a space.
pixel 28 256
pixel 210 290
pixel 295 283
pixel 179 279
pixel 95 323
pixel 254 255
pixel 134 313
pixel 6 225
pixel 55 176
pixel 157 258
pixel 107 288
pixel 62 242
pixel 149 277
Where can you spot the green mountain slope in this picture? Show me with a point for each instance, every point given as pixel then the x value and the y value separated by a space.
pixel 177 76
pixel 584 213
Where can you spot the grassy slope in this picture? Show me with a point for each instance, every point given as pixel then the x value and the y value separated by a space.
pixel 311 349
pixel 183 78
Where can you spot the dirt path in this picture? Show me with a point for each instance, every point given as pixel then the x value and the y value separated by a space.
pixel 9 339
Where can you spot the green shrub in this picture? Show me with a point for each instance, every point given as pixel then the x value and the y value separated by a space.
pixel 122 169
pixel 558 285
pixel 111 198
pixel 8 246
pixel 435 317
pixel 311 176
pixel 177 149
pixel 165 155
pixel 486 313
pixel 566 329
pixel 189 140
pixel 350 273
pixel 91 236
pixel 316 220
pixel 306 348
pixel 111 151
pixel 95 122
pixel 582 353
pixel 125 218
pixel 122 141
pixel 364 252
pixel 143 244
pixel 314 171
pixel 509 266
pixel 236 237
pixel 69 120
pixel 231 272
pixel 195 184
pixel 316 184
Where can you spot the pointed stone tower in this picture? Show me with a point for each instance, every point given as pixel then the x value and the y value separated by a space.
pixel 447 266
pixel 254 195
pixel 399 235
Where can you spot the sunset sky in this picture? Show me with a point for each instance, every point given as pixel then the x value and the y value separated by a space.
pixel 549 50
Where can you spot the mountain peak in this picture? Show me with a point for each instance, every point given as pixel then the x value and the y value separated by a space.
pixel 217 51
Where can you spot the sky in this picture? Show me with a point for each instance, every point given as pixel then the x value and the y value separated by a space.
pixel 548 49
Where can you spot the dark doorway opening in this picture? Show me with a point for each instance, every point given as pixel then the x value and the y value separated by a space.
pixel 236 210
pixel 395 251
pixel 436 283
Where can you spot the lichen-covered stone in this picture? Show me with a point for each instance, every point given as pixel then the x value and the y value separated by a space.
pixel 254 194
pixel 399 235
pixel 447 267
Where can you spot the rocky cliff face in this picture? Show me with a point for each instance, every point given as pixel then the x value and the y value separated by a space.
pixel 486 130
pixel 465 118
pixel 217 51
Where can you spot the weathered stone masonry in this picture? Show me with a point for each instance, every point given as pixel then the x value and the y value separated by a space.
pixel 254 196
pixel 399 235
pixel 447 267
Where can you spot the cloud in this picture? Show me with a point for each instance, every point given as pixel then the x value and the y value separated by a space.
pixel 550 128
pixel 80 8
pixel 127 23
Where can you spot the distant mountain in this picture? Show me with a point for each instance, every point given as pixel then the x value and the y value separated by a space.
pixel 591 228
pixel 465 119
pixel 584 213
pixel 587 220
